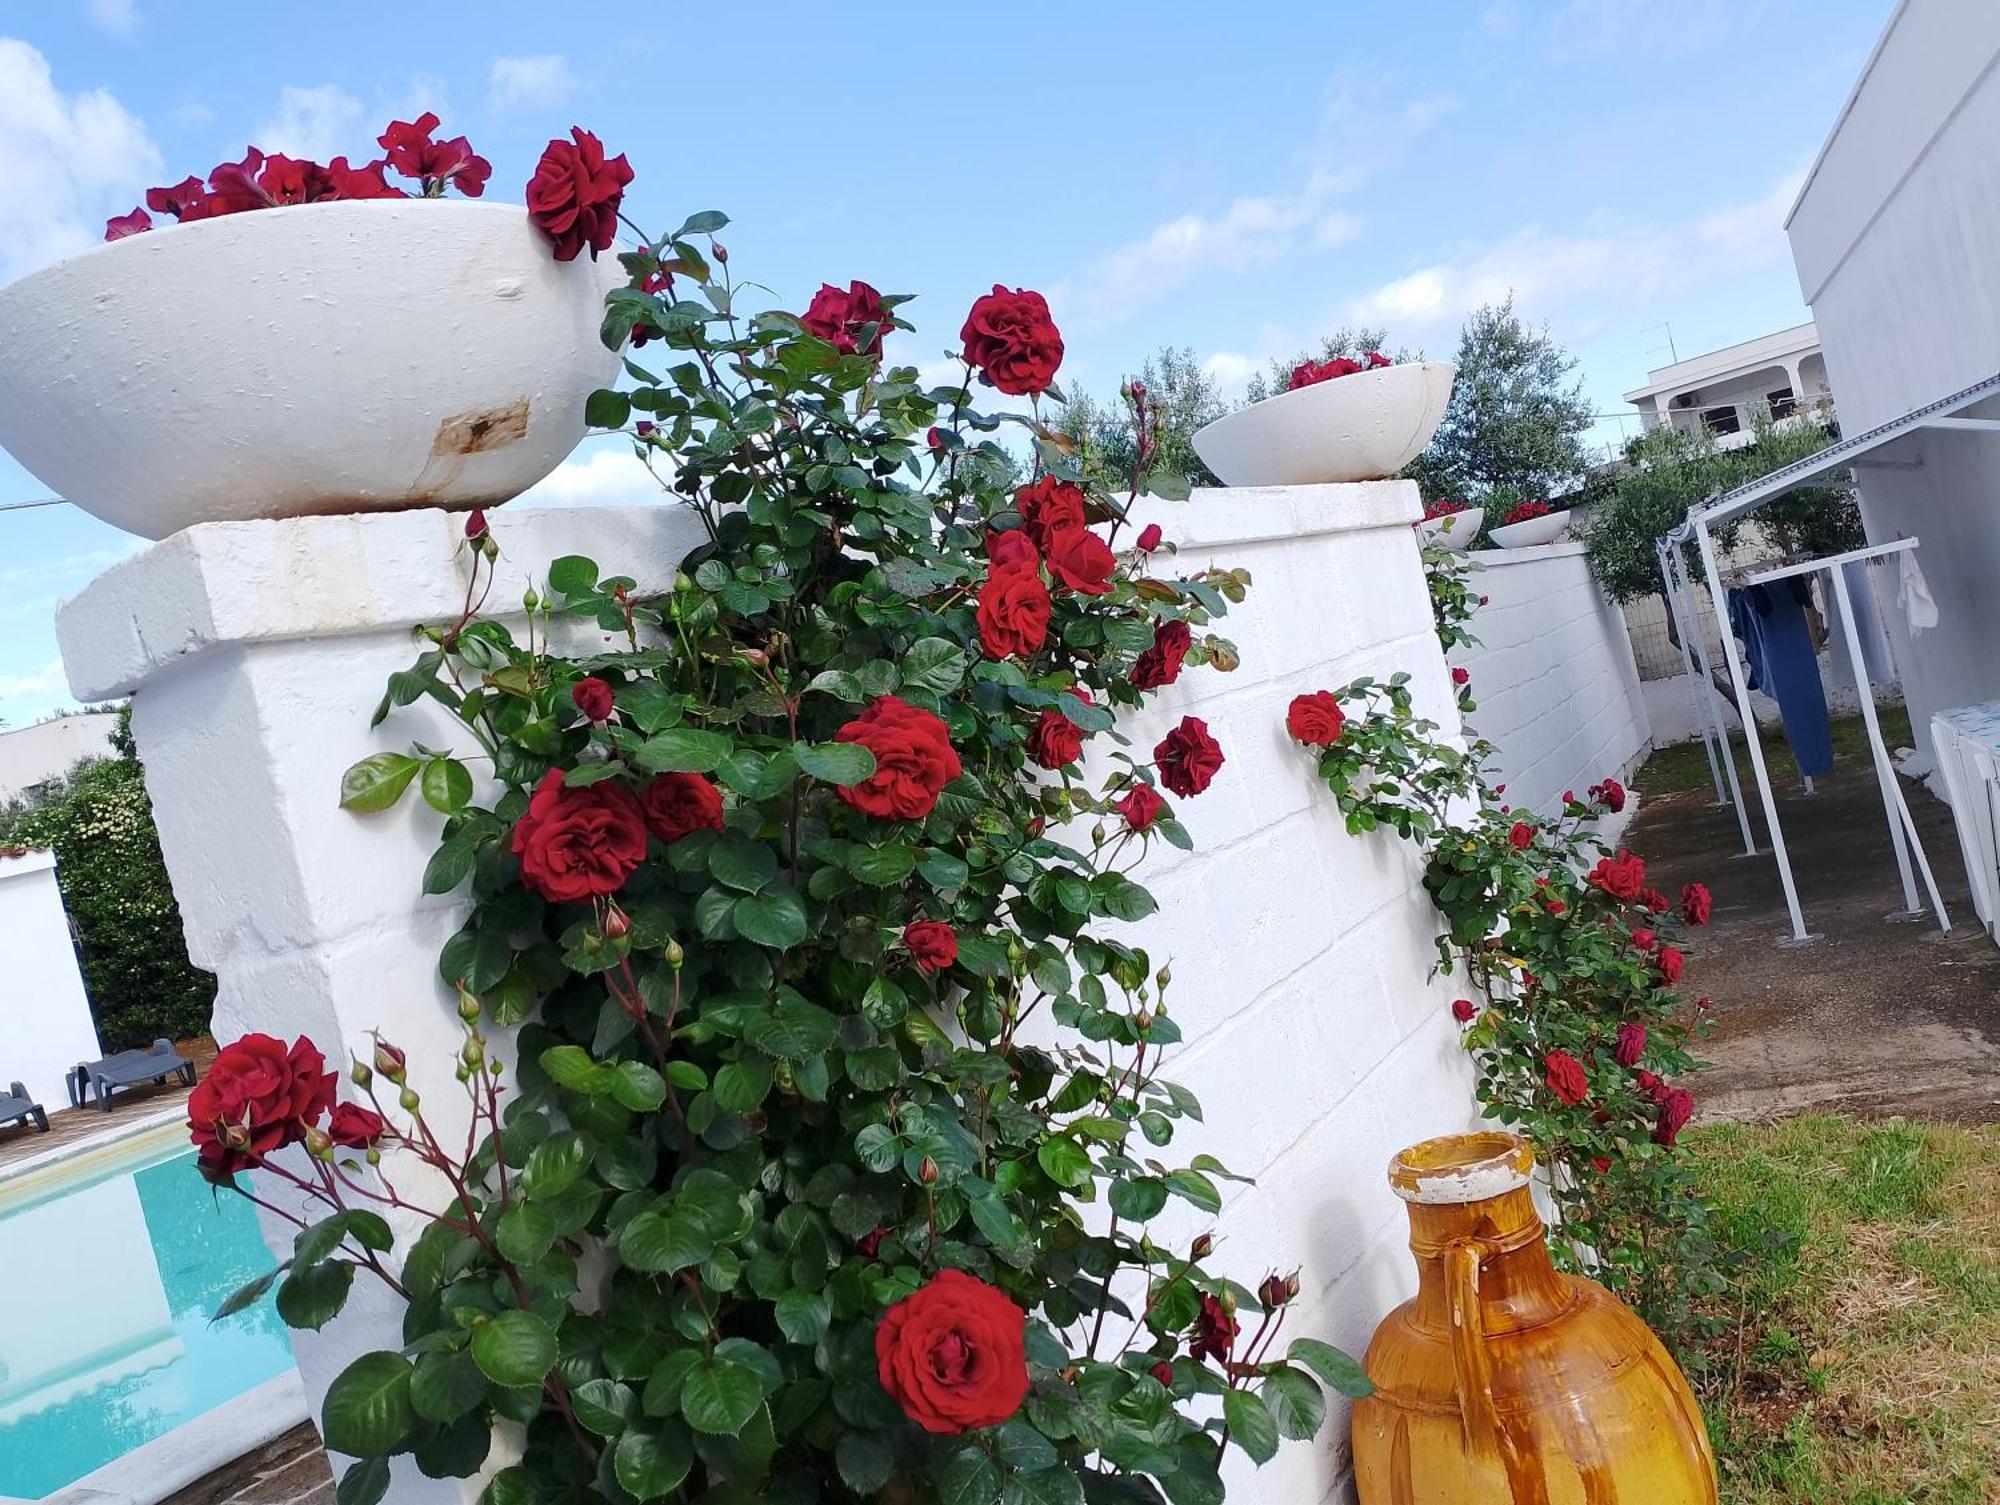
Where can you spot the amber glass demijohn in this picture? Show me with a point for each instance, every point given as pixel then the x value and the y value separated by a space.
pixel 1503 1382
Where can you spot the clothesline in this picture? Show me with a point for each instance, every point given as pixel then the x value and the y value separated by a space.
pixel 1852 556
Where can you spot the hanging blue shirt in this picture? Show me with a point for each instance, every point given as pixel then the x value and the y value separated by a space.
pixel 1780 660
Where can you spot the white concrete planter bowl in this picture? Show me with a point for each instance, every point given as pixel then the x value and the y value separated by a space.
pixel 1363 427
pixel 1525 535
pixel 343 357
pixel 1455 530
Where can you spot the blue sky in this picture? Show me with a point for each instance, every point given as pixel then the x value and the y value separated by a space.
pixel 1237 179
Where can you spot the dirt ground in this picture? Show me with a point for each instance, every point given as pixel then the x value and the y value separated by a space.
pixel 1874 1017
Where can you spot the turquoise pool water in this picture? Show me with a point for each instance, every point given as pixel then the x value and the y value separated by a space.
pixel 108 1274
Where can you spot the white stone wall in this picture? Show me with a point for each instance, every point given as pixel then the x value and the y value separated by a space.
pixel 1301 955
pixel 45 1024
pixel 1558 693
pixel 32 755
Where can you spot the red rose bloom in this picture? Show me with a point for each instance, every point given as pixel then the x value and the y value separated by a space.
pixel 1057 740
pixel 579 843
pixel 1188 757
pixel 677 804
pixel 1214 1330
pixel 292 180
pixel 914 760
pixel 870 1241
pixel 1670 965
pixel 952 1355
pixel 182 201
pixel 1464 1010
pixel 1163 1372
pixel 1315 719
pixel 232 188
pixel 1563 1074
pixel 1649 1083
pixel 354 1127
pixel 1149 538
pixel 121 225
pixel 933 945
pixel 1082 561
pixel 592 697
pixel 1610 794
pixel 412 153
pixel 1049 507
pixel 1161 664
pixel 1520 836
pixel 841 318
pixel 1645 940
pixel 1141 807
pixel 1012 550
pixel 1622 876
pixel 1013 613
pixel 1461 676
pixel 1557 907
pixel 1631 1043
pixel 1654 900
pixel 1696 903
pixel 1011 341
pixel 363 182
pixel 1676 1108
pixel 575 192
pixel 259 1096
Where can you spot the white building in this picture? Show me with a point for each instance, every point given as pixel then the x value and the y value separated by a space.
pixel 1726 390
pixel 32 755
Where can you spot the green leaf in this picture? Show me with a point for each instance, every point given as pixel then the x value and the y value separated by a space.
pixel 719 1396
pixel 742 863
pixel 571 1066
pixel 514 1348
pixel 364 1483
pixel 742 1085
pixel 865 1460
pixel 1169 485
pixel 446 1386
pixel 834 762
pixel 1139 1198
pixel 882 867
pixel 450 865
pixel 525 1232
pixel 313 1295
pixel 248 1294
pixel 934 664
pixel 663 1243
pixel 803 1316
pixel 367 1410
pixel 446 785
pixel 1193 1186
pixel 605 409
pixel 969 1477
pixel 1064 1161
pixel 1024 1449
pixel 701 222
pixel 1295 1401
pixel 682 749
pixel 555 1163
pixel 573 574
pixel 776 919
pixel 604 1406
pixel 637 1086
pixel 1250 1424
pixel 794 1029
pixel 1339 1370
pixel 512 1486
pixel 652 1461
pixel 377 782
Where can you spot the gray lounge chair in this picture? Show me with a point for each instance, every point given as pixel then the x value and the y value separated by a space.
pixel 128 1068
pixel 17 1105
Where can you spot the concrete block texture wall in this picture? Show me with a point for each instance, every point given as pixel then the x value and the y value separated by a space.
pixel 1557 690
pixel 1302 957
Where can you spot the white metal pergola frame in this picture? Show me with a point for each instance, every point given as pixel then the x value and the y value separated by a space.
pixel 1859 452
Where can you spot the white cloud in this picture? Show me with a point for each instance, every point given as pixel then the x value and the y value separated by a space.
pixel 120 18
pixel 543 79
pixel 1591 30
pixel 67 162
pixel 319 122
pixel 606 477
pixel 1338 229
pixel 37 684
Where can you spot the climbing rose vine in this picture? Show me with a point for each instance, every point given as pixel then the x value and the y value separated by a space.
pixel 831 1165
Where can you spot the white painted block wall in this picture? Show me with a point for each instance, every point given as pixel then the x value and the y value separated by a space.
pixel 255 651
pixel 1553 676
pixel 45 1024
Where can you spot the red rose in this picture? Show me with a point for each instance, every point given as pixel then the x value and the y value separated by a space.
pixel 1670 965
pixel 579 843
pixel 1564 1076
pixel 412 153
pixel 1163 1372
pixel 1704 1004
pixel 841 318
pixel 292 180
pixel 952 1355
pixel 1676 1108
pixel 1141 807
pixel 258 1097
pixel 1460 676
pixel 1610 793
pixel 1654 900
pixel 1057 740
pixel 1650 1084
pixel 1215 1330
pixel 1464 1010
pixel 1696 903
pixel 1622 877
pixel 1013 613
pixel 1161 664
pixel 592 697
pixel 1520 836
pixel 1012 550
pixel 933 945
pixel 138 222
pixel 1309 373
pixel 1049 507
pixel 1315 719
pixel 870 1241
pixel 363 182
pixel 1600 1163
pixel 355 1127
pixel 1187 757
pixel 1082 561
pixel 1149 538
pixel 575 192
pixel 232 188
pixel 677 804
pixel 1011 341
pixel 182 201
pixel 1631 1043
pixel 1557 907
pixel 914 760
pixel 1645 940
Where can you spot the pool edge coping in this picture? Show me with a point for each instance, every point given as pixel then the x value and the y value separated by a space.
pixel 113 1133
pixel 192 1450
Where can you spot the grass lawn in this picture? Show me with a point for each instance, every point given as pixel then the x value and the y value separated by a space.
pixel 1862 1361
pixel 1684 766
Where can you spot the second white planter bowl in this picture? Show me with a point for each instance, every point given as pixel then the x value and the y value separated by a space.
pixel 343 357
pixel 1362 427
pixel 1453 530
pixel 1525 535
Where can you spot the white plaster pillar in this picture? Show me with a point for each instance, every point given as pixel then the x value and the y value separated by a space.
pixel 45 1023
pixel 254 654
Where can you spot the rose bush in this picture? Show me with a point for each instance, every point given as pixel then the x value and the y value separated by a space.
pixel 810 950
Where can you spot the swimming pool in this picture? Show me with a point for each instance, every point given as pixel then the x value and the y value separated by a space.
pixel 110 1265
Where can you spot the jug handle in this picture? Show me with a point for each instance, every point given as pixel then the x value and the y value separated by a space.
pixel 1470 1368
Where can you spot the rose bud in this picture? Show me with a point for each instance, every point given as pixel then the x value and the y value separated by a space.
pixel 1163 1372
pixel 1139 390
pixel 475 524
pixel 721 251
pixel 468 1006
pixel 617 924
pixel 934 438
pixel 1202 1247
pixel 1272 1292
pixel 318 1144
pixel 644 428
pixel 1461 676
pixel 390 1061
pixel 1292 1286
pixel 474 1053
pixel 1464 1010
pixel 673 955
pixel 361 1074
pixel 529 600
pixel 409 1099
pixel 592 697
pixel 1149 538
pixel 1144 1019
pixel 928 1172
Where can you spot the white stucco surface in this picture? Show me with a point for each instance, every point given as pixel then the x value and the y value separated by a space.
pixel 31 755
pixel 1557 691
pixel 45 1025
pixel 255 652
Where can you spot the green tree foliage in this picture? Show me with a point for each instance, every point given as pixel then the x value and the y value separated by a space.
pixel 98 821
pixel 1183 398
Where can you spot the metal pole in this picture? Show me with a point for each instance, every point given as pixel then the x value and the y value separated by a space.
pixel 1701 659
pixel 1749 716
pixel 1695 687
